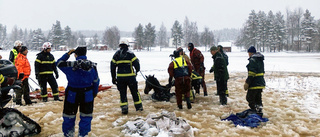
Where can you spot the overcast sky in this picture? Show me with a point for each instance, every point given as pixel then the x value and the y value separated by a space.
pixel 127 14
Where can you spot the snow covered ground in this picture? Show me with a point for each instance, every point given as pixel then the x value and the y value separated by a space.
pixel 291 98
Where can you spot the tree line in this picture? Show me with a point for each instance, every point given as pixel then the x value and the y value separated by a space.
pixel 272 32
pixel 145 36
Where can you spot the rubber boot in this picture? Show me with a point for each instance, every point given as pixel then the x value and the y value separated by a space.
pixel 56 98
pixel 45 99
pixel 124 109
pixel 188 103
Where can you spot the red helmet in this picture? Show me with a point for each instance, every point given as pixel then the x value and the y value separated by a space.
pixel 46 45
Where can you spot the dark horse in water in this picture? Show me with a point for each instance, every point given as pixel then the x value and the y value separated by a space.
pixel 161 93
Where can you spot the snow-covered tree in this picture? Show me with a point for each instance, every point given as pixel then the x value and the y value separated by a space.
pixel 308 29
pixel 280 30
pixel 68 37
pixel 162 36
pixel 207 37
pixel 271 36
pixel 139 37
pixel 3 34
pixel 190 32
pixel 149 35
pixel 95 39
pixel 176 33
pixel 56 35
pixel 38 39
pixel 14 34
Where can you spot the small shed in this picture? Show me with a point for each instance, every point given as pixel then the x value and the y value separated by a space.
pixel 226 46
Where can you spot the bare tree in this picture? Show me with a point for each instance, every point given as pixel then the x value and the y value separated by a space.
pixel 207 38
pixel 112 37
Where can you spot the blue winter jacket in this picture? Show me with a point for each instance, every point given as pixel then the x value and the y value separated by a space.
pixel 81 73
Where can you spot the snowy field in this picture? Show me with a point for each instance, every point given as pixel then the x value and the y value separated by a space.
pixel 291 98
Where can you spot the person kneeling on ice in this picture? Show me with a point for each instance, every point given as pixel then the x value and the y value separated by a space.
pixel 82 88
pixel 255 81
pixel 181 70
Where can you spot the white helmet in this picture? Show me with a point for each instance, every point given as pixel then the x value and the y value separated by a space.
pixel 46 45
pixel 18 43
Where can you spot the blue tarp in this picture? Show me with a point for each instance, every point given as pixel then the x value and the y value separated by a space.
pixel 248 120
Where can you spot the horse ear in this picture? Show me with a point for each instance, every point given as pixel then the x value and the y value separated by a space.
pixel 153 75
pixel 146 76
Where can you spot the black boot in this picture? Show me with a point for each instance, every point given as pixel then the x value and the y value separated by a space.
pixel 180 106
pixel 56 98
pixel 124 109
pixel 188 103
pixel 223 99
pixel 205 93
pixel 18 102
pixel 45 99
pixel 139 107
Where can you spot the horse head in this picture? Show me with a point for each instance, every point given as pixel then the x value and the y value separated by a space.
pixel 151 83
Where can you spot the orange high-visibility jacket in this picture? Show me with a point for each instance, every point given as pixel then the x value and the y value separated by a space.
pixel 23 66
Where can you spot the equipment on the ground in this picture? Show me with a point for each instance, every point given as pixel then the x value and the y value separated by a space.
pixel 12 121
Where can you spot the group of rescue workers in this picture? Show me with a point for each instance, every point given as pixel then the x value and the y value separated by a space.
pixel 83 79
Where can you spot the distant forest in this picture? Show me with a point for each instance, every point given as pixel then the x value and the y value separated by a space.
pixel 293 31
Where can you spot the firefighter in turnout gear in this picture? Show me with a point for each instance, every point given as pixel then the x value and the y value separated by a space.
pixel 125 76
pixel 15 51
pixel 45 66
pixel 181 70
pixel 82 88
pixel 255 82
pixel 221 74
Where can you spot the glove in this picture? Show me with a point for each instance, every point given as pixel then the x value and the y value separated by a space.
pixel 245 86
pixel 114 81
pixel 10 81
pixel 211 70
pixel 57 75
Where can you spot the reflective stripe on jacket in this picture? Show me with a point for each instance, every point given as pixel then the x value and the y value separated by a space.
pixel 255 69
pixel 124 60
pixel 15 54
pixel 45 63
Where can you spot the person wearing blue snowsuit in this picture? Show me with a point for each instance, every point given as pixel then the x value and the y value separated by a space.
pixel 82 88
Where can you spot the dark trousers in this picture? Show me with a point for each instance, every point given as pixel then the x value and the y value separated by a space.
pixel 25 91
pixel 48 78
pixel 84 99
pixel 182 87
pixel 203 82
pixel 131 82
pixel 221 90
pixel 254 98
